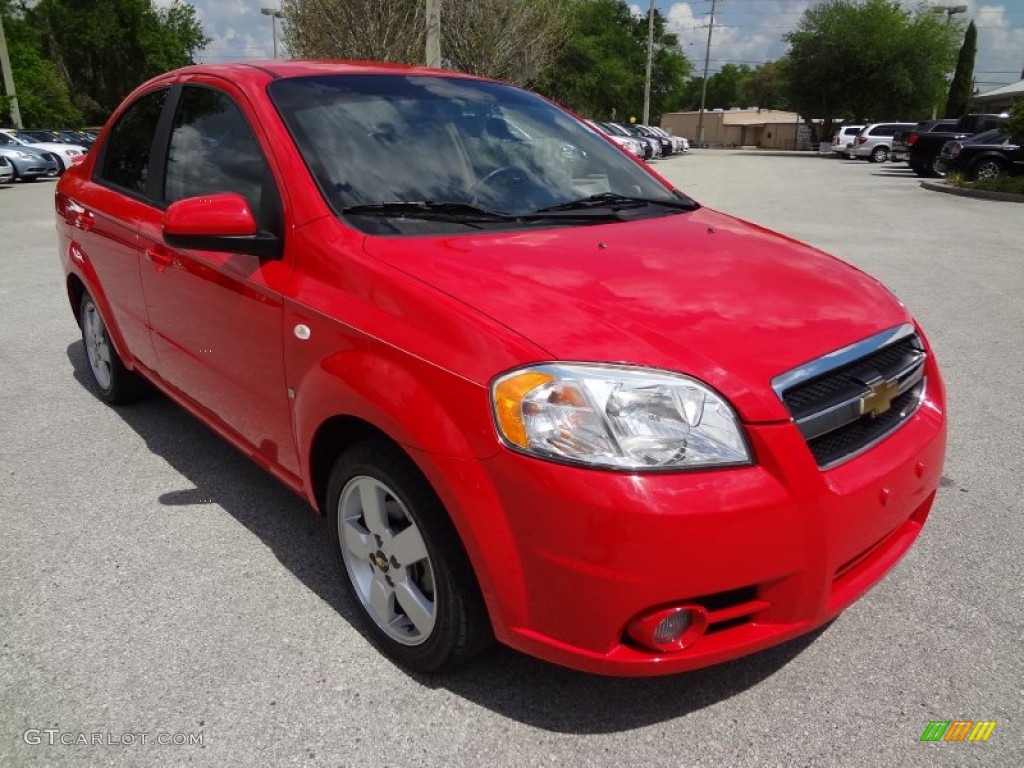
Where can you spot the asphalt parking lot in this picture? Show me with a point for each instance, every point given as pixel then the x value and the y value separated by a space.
pixel 155 582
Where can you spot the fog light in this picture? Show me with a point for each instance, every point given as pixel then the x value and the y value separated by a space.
pixel 669 629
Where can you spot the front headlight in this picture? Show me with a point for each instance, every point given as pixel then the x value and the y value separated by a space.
pixel 616 417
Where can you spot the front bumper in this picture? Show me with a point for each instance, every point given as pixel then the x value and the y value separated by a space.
pixel 570 556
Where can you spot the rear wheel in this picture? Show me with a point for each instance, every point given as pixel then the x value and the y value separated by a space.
pixel 402 562
pixel 879 154
pixel 988 168
pixel 921 169
pixel 115 383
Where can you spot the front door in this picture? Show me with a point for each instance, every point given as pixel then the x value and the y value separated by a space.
pixel 216 317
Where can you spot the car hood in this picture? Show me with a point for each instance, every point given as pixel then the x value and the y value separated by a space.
pixel 701 293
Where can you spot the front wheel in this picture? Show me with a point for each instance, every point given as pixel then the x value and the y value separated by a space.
pixel 402 562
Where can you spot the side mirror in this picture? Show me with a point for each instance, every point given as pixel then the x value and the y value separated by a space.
pixel 218 222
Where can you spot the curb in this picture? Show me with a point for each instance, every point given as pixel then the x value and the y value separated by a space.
pixel 983 194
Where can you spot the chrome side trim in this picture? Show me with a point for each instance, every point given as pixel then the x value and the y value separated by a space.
pixel 839 358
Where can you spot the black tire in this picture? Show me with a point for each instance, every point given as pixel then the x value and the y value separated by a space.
pixel 987 168
pixel 459 628
pixel 937 167
pixel 879 154
pixel 921 169
pixel 114 383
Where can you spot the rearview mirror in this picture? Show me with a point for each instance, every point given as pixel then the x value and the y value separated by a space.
pixel 218 222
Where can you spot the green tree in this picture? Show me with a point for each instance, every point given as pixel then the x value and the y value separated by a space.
pixel 765 86
pixel 600 72
pixel 43 98
pixel 104 48
pixel 962 88
pixel 868 60
pixel 1015 125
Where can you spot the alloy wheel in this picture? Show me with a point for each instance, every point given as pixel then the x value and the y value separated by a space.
pixel 387 560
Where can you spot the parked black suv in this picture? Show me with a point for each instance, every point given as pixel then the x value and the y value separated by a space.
pixel 901 148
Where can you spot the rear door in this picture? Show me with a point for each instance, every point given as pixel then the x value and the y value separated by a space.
pixel 103 213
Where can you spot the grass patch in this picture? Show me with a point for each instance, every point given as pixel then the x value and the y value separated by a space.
pixel 1011 184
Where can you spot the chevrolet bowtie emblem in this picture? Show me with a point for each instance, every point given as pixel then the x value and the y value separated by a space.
pixel 879 398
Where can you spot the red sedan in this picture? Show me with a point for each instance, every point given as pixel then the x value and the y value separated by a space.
pixel 540 395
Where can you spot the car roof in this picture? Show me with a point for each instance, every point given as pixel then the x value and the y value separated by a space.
pixel 274 69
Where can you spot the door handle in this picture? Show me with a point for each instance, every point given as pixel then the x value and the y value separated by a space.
pixel 161 259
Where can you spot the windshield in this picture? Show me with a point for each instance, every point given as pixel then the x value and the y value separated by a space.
pixel 385 147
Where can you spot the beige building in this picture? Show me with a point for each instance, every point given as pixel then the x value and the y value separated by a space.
pixel 765 128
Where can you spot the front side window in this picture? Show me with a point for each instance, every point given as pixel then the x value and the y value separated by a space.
pixel 452 144
pixel 213 149
pixel 126 156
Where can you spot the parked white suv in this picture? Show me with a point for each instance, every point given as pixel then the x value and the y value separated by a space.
pixel 874 142
pixel 842 140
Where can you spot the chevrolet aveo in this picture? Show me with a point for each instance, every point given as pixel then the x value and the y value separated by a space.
pixel 540 395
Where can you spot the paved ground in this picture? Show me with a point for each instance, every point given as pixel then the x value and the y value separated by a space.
pixel 130 605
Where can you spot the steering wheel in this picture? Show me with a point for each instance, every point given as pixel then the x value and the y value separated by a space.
pixel 507 175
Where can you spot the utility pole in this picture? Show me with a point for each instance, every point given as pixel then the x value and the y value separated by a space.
pixel 650 58
pixel 704 85
pixel 433 53
pixel 5 63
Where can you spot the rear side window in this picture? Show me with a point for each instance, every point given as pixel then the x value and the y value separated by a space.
pixel 213 149
pixel 126 155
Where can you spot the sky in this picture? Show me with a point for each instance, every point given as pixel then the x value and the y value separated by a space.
pixel 745 32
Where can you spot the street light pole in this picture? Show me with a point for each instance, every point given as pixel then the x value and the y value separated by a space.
pixel 950 11
pixel 650 58
pixel 5 64
pixel 274 14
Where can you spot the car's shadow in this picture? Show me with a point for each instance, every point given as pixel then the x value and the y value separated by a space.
pixel 502 680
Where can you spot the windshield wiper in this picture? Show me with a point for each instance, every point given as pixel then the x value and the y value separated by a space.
pixel 616 202
pixel 428 209
pixel 468 213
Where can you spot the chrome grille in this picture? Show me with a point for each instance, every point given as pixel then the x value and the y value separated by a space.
pixel 847 401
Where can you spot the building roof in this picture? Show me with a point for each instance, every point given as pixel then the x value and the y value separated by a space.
pixel 1013 89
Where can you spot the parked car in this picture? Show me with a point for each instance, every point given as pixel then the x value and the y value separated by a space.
pixel 679 144
pixel 28 163
pixel 543 398
pixel 632 130
pixel 631 145
pixel 646 145
pixel 82 138
pixel 842 139
pixel 6 170
pixel 926 148
pixel 875 140
pixel 62 152
pixel 904 139
pixel 667 146
pixel 985 155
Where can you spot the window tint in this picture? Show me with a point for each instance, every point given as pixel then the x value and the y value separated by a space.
pixel 212 150
pixel 126 157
